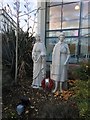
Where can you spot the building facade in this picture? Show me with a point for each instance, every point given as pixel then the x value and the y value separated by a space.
pixel 70 16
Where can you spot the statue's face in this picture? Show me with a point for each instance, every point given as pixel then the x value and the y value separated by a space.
pixel 38 38
pixel 61 37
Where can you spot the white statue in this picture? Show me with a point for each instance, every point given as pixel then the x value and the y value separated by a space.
pixel 39 62
pixel 60 57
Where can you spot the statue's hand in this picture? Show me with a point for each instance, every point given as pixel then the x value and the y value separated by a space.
pixel 65 63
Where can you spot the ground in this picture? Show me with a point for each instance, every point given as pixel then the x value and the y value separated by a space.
pixel 38 98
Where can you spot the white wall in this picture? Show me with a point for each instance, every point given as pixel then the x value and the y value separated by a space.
pixel 41 20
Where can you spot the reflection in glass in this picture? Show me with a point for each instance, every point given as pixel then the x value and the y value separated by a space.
pixel 84 23
pixel 66 0
pixel 70 16
pixel 72 42
pixel 85 14
pixel 55 17
pixel 84 32
pixel 49 46
pixel 67 33
pixel 52 34
pixel 55 2
pixel 70 25
pixel 84 47
pixel 71 33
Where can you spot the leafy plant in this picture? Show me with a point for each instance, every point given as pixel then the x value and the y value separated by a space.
pixel 83 71
pixel 8 50
pixel 25 49
pixel 82 97
pixel 80 71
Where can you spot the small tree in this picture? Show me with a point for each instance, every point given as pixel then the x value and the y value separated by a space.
pixel 24 52
pixel 25 59
pixel 8 52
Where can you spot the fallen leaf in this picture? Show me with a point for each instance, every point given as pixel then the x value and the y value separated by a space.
pixel 67 94
pixel 72 81
pixel 34 102
pixel 56 94
pixel 6 108
pixel 32 107
pixel 26 112
pixel 36 110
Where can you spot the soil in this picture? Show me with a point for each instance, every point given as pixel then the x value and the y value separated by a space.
pixel 38 99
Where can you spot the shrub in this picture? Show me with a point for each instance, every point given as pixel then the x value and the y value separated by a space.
pixel 82 98
pixel 63 110
pixel 83 71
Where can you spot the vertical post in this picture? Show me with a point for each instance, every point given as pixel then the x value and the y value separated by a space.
pixel 61 14
pixel 0 76
pixel 79 39
pixel 17 37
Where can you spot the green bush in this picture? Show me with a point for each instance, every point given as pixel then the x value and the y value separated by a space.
pixel 81 71
pixel 82 91
pixel 72 72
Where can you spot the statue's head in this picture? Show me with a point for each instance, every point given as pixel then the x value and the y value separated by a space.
pixel 61 36
pixel 37 37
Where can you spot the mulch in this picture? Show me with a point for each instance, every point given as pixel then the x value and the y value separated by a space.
pixel 38 98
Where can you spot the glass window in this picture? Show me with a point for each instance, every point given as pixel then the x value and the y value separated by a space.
pixel 72 42
pixel 55 2
pixel 66 0
pixel 70 25
pixel 85 6
pixel 84 32
pixel 49 47
pixel 52 40
pixel 84 23
pixel 71 32
pixel 67 33
pixel 84 47
pixel 54 17
pixel 51 34
pixel 70 16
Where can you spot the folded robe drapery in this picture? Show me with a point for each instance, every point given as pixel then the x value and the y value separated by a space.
pixel 58 71
pixel 39 62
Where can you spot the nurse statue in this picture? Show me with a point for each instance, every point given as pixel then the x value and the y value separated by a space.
pixel 39 62
pixel 60 57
